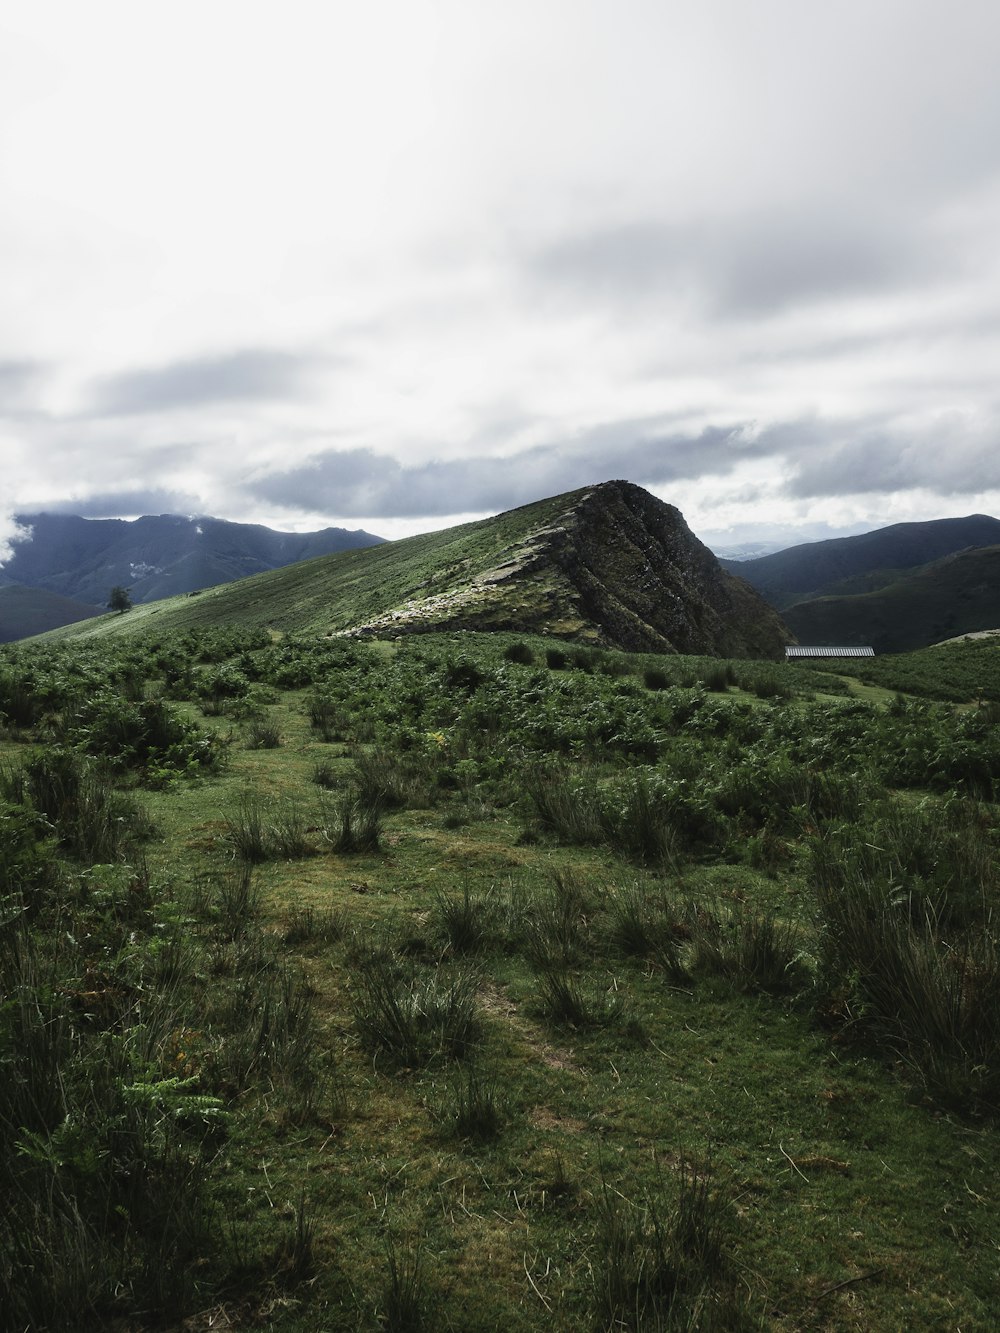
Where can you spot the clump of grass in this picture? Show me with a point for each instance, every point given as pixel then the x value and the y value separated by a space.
pixel 665 1267
pixel 295 1258
pixel 406 1305
pixel 555 927
pixel 357 825
pixel 94 821
pixel 263 734
pixel 289 838
pixel 259 830
pixel 477 1108
pixel 562 1000
pixel 267 1021
pixel 237 899
pixel 325 775
pixel 929 991
pixel 719 677
pixel 413 1015
pixel 519 653
pixel 565 808
pixel 328 716
pixel 379 778
pixel 643 925
pixel 634 818
pixel 311 925
pixel 246 829
pixel 749 947
pixel 466 924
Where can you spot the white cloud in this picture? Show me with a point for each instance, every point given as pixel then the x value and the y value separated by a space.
pixel 460 251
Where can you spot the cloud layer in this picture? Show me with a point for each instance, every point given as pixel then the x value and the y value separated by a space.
pixel 424 260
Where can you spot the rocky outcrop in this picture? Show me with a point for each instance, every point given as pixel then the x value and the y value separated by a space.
pixel 610 564
pixel 647 582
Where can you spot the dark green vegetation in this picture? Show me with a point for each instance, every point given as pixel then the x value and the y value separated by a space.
pixel 483 982
pixel 846 566
pixel 27 611
pixel 897 589
pixel 609 564
pixel 957 595
pixel 62 573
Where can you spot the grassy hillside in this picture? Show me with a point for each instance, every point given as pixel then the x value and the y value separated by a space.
pixel 332 593
pixel 957 595
pixel 608 563
pixel 155 556
pixel 28 611
pixel 845 566
pixel 487 981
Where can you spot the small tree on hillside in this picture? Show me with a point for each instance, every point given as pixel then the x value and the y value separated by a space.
pixel 120 600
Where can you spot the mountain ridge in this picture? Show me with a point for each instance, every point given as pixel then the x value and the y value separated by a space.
pixel 827 568
pixel 154 556
pixel 608 563
pixel 958 594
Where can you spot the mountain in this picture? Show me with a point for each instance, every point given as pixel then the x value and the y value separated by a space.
pixel 26 611
pixel 155 557
pixel 844 566
pixel 957 595
pixel 606 564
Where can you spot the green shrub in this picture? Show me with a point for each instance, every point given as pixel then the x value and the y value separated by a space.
pixel 519 653
pixel 141 734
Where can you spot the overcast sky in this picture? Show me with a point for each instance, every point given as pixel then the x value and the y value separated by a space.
pixel 394 263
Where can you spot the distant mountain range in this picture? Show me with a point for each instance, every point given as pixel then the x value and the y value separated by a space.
pixel 66 569
pixel 897 588
pixel 609 564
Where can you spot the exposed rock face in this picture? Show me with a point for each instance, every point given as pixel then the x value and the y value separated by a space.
pixel 609 564
pixel 646 582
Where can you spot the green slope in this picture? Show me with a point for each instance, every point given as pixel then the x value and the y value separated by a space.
pixel 957 595
pixel 27 611
pixel 607 564
pixel 332 593
pixel 865 563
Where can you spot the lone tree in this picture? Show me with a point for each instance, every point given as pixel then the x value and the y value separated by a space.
pixel 119 600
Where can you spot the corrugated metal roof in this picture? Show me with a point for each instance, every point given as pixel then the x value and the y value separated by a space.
pixel 797 651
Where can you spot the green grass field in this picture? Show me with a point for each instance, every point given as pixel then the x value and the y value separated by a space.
pixel 479 982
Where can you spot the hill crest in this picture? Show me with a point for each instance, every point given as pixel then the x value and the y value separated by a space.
pixel 845 566
pixel 156 556
pixel 608 563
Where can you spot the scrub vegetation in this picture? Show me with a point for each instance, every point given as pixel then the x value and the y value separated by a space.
pixel 488 981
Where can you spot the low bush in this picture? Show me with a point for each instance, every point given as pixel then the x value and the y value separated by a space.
pixel 519 653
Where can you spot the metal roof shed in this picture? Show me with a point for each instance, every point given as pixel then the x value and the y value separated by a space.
pixel 796 653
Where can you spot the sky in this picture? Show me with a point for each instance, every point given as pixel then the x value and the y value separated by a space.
pixel 396 264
